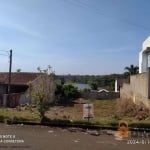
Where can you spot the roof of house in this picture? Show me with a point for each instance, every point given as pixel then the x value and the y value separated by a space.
pixel 103 90
pixel 18 78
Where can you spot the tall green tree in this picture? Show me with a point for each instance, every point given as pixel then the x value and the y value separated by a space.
pixel 131 70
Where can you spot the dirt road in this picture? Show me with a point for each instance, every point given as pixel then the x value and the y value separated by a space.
pixel 21 137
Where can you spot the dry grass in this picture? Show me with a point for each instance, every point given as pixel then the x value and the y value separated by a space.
pixel 106 112
pixel 128 108
pixel 20 114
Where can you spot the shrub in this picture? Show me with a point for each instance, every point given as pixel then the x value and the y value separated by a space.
pixel 41 95
pixel 66 93
pixel 127 107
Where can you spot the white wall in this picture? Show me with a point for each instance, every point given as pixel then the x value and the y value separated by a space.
pixel 143 56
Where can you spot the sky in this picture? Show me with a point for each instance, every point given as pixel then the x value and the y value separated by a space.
pixel 94 37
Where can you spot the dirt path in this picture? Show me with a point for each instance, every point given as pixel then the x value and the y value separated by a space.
pixel 47 138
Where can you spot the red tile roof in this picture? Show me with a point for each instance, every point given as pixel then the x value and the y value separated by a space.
pixel 21 78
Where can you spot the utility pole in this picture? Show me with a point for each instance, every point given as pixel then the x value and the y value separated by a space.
pixel 10 66
pixel 148 82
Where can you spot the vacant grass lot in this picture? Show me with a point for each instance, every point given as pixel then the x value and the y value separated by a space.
pixel 105 113
pixel 21 113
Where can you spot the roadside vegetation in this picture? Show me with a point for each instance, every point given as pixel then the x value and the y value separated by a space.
pixel 106 113
pixel 20 113
pixel 40 95
pixel 67 105
pixel 65 94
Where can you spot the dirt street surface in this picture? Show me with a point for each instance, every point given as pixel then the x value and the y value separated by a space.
pixel 23 137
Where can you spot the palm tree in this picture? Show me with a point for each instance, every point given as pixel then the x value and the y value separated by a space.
pixel 132 70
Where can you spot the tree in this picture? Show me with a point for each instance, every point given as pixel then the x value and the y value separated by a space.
pixel 41 92
pixel 65 93
pixel 131 70
pixel 18 70
pixel 93 85
pixel 70 91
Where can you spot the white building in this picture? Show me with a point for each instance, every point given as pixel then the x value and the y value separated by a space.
pixel 144 56
pixel 138 89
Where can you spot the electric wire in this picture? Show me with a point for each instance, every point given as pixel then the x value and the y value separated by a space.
pixel 82 4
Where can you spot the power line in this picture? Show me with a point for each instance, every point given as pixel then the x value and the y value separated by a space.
pixel 98 11
pixel 4 51
pixel 3 54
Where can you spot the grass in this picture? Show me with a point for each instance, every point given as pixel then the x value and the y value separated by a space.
pixel 14 114
pixel 105 113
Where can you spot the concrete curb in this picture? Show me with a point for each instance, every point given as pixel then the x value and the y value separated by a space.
pixel 75 125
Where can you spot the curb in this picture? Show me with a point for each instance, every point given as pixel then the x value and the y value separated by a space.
pixel 75 125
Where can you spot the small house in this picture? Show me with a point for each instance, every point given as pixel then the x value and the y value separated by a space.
pixel 18 87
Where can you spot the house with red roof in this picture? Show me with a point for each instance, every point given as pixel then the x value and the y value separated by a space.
pixel 18 87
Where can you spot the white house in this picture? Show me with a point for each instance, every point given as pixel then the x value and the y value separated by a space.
pixel 144 56
pixel 138 90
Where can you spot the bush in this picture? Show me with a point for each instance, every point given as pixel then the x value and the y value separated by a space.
pixel 85 90
pixel 70 91
pixel 66 93
pixel 127 107
pixel 41 94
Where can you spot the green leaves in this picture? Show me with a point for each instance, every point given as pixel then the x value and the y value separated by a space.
pixel 65 93
pixel 41 90
pixel 132 69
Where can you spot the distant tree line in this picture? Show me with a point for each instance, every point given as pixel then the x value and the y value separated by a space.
pixel 104 81
pixel 66 92
pixel 95 81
